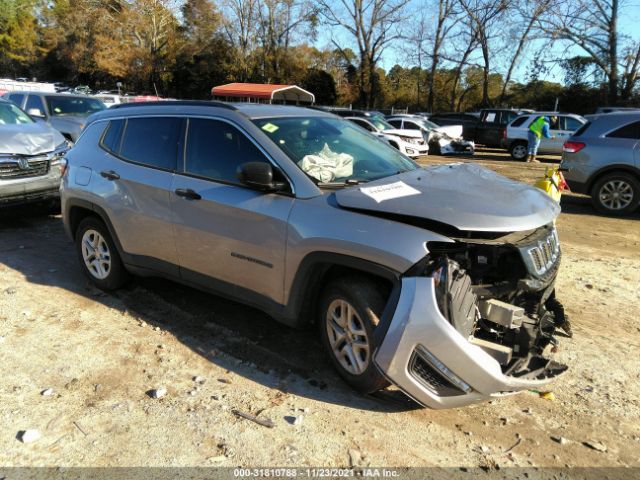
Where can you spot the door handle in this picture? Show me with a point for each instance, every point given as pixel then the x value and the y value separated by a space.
pixel 188 194
pixel 110 175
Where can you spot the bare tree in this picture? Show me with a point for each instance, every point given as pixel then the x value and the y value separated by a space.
pixel 241 29
pixel 279 21
pixel 372 24
pixel 484 16
pixel 529 11
pixel 448 18
pixel 468 37
pixel 631 70
pixel 591 25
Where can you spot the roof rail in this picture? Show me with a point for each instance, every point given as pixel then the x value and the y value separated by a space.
pixel 167 103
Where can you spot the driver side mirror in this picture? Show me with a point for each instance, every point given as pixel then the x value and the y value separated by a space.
pixel 35 112
pixel 259 175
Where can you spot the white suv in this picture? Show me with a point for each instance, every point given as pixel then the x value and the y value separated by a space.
pixel 516 133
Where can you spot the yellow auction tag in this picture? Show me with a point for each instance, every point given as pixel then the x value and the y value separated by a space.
pixel 270 127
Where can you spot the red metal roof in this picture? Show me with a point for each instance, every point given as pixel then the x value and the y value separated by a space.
pixel 253 90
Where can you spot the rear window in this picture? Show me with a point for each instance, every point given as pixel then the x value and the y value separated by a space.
pixel 519 121
pixel 152 141
pixel 631 131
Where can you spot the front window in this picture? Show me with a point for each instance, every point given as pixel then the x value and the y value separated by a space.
pixel 79 106
pixel 12 115
pixel 333 150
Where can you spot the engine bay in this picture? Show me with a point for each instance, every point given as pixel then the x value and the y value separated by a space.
pixel 490 295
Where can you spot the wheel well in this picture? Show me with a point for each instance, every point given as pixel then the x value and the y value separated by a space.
pixel 77 214
pixel 394 144
pixel 634 173
pixel 321 274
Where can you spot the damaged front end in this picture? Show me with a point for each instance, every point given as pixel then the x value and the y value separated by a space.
pixel 476 318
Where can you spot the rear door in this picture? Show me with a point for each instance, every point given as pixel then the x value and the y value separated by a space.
pixel 489 128
pixel 134 181
pixel 229 237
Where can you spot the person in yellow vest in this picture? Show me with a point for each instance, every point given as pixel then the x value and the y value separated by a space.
pixel 538 129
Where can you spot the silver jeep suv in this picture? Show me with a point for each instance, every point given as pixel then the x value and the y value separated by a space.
pixel 439 280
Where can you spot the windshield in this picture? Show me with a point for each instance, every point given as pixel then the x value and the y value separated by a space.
pixel 12 115
pixel 80 106
pixel 380 123
pixel 333 150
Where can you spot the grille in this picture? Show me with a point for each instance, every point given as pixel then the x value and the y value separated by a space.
pixel 16 169
pixel 544 254
pixel 427 375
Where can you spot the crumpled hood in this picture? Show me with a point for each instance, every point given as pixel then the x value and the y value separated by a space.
pixel 454 131
pixel 29 139
pixel 463 195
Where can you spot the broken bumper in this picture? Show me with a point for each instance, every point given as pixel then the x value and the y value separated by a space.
pixel 426 357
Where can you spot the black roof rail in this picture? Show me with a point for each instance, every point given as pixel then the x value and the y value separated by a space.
pixel 168 103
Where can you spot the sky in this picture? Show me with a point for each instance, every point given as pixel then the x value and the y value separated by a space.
pixel 628 25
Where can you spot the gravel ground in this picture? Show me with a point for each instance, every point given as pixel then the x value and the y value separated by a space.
pixel 101 353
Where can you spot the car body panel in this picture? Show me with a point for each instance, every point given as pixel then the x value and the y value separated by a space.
pixel 70 125
pixel 560 132
pixel 463 195
pixel 602 153
pixel 29 162
pixel 256 246
pixel 417 322
pixel 245 231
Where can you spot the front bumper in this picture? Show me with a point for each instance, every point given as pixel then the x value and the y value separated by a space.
pixel 460 373
pixel 414 150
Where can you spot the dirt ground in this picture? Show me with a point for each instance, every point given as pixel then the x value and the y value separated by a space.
pixel 100 353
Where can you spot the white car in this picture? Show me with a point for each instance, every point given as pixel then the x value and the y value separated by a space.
pixel 516 133
pixel 410 142
pixel 445 140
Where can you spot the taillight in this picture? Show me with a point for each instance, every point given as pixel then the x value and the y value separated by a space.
pixel 573 147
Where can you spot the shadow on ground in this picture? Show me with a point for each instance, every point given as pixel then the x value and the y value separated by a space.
pixel 35 245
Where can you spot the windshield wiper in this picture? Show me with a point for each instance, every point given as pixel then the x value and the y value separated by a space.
pixel 348 182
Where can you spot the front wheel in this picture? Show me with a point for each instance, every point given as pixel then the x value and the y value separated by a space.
pixel 98 255
pixel 350 311
pixel 616 194
pixel 519 151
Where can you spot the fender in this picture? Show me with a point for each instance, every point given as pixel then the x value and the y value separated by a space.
pixel 610 168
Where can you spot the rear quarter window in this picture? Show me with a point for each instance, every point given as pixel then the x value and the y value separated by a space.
pixel 112 136
pixel 582 129
pixel 631 131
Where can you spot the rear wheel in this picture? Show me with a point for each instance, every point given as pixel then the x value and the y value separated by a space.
pixel 519 151
pixel 349 314
pixel 616 194
pixel 98 255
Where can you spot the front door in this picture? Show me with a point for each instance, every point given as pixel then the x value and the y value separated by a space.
pixel 228 236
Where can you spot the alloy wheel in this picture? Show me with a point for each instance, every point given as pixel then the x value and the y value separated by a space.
pixel 616 194
pixel 96 254
pixel 519 151
pixel 348 337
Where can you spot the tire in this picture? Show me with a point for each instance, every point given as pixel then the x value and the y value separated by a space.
pixel 616 194
pixel 98 255
pixel 518 151
pixel 357 305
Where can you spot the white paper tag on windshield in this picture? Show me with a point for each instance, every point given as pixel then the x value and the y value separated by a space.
pixel 381 193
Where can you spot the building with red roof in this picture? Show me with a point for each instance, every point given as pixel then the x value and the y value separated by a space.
pixel 263 93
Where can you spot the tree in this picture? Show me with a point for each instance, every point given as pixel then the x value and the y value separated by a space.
pixel 591 25
pixel 529 12
pixel 371 24
pixel 240 25
pixel 322 85
pixel 484 16
pixel 18 36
